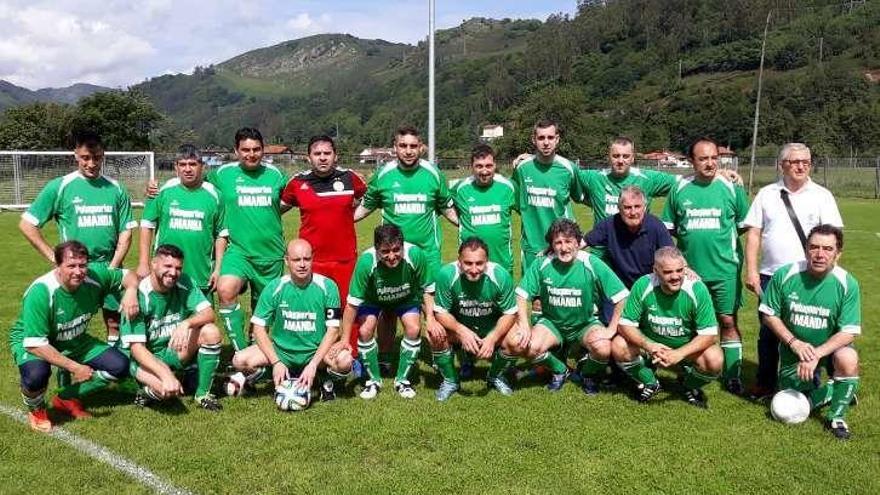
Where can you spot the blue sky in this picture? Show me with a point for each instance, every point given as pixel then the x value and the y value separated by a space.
pixel 117 43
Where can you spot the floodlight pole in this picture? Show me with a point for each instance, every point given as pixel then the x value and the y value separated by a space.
pixel 431 81
pixel 758 103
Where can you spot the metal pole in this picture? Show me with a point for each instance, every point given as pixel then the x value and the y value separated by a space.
pixel 877 179
pixel 758 103
pixel 431 141
pixel 16 174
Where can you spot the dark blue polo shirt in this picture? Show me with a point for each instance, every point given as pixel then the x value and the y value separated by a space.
pixel 631 255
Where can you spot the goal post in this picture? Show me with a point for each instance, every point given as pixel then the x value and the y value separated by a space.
pixel 24 173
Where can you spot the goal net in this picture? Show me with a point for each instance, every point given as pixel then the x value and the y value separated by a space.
pixel 24 173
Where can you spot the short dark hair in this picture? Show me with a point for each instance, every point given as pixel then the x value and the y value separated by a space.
pixel 481 151
pixel 704 139
pixel 89 139
pixel 188 152
pixel 545 123
pixel 562 226
pixel 473 243
pixel 406 130
pixel 387 234
pixel 169 250
pixel 323 138
pixel 828 229
pixel 75 249
pixel 248 133
pixel 623 141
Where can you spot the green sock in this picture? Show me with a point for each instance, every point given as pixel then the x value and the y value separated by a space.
pixel 590 367
pixel 639 371
pixel 733 355
pixel 409 353
pixel 369 354
pixel 552 362
pixel 500 364
pixel 694 378
pixel 821 396
pixel 32 403
pixel 443 360
pixel 233 318
pixel 99 380
pixel 842 393
pixel 207 360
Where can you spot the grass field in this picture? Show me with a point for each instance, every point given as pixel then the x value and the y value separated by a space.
pixel 532 442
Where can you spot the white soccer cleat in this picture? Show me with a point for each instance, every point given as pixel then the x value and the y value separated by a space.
pixel 405 390
pixel 235 384
pixel 370 391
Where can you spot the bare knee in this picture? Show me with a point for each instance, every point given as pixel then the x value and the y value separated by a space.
pixel 228 289
pixel 209 334
pixel 621 351
pixel 846 362
pixel 600 348
pixel 711 360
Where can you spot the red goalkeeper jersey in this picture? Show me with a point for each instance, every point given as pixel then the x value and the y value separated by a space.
pixel 326 206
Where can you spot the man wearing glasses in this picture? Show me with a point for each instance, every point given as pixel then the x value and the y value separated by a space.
pixel 773 232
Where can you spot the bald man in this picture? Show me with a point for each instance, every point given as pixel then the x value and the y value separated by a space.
pixel 295 323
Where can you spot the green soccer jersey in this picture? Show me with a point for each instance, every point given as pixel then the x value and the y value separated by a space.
pixel 297 317
pixel 476 305
pixel 91 211
pixel 374 284
pixel 812 309
pixel 50 315
pixel 543 194
pixel 706 217
pixel 602 189
pixel 570 293
pixel 160 313
pixel 190 219
pixel 670 319
pixel 485 212
pixel 251 202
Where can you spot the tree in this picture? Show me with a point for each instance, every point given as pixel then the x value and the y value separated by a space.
pixel 124 119
pixel 36 126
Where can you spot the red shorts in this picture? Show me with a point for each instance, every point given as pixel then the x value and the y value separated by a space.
pixel 340 272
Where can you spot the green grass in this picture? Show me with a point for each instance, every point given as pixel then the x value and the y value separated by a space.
pixel 533 442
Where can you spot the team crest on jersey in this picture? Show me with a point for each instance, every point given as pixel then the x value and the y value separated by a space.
pixel 471 199
pixel 548 281
pixel 528 179
pixel 793 296
pixel 338 185
pixel 304 186
pixel 686 202
pixel 283 304
pixel 175 203
pixel 76 200
pixel 239 179
pixel 396 184
pixel 59 312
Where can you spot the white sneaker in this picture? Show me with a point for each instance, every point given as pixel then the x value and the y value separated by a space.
pixel 405 390
pixel 371 389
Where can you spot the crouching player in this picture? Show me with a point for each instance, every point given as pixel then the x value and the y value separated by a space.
pixel 475 306
pixel 296 323
pixel 813 307
pixel 51 331
pixel 570 285
pixel 669 318
pixel 175 322
pixel 391 276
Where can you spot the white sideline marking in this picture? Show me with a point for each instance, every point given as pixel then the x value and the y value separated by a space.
pixel 95 451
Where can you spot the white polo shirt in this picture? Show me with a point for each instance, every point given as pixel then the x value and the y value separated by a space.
pixel 813 205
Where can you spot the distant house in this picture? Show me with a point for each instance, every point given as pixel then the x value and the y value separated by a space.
pixel 491 132
pixel 376 155
pixel 214 155
pixel 666 158
pixel 727 158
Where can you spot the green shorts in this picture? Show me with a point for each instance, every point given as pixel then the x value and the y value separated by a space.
pixel 167 355
pixel 567 336
pixel 293 360
pixel 256 273
pixel 434 261
pixel 87 348
pixel 111 301
pixel 726 295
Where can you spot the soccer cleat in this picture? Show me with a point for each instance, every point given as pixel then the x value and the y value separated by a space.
pixel 328 391
pixel 589 386
pixel 760 392
pixel 71 407
pixel 371 389
pixel 405 390
pixel 39 420
pixel 696 398
pixel 557 380
pixel 141 399
pixel 645 392
pixel 838 428
pixel 466 372
pixel 209 403
pixel 445 392
pixel 735 387
pixel 501 385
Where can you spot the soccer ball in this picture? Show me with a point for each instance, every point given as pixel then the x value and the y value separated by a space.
pixel 235 384
pixel 790 407
pixel 290 397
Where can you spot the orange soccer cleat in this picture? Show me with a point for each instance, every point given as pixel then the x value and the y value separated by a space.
pixel 39 420
pixel 72 407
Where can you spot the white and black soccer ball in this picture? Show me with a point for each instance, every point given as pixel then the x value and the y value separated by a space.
pixel 290 397
pixel 790 407
pixel 235 384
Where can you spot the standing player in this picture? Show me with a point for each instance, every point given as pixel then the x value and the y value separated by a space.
pixel 705 212
pixel 390 277
pixel 669 318
pixel 813 307
pixel 485 202
pixel 296 324
pixel 90 208
pixel 250 195
pixel 568 282
pixel 326 196
pixel 175 322
pixel 476 307
pixel 411 191
pixel 51 330
pixel 186 213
